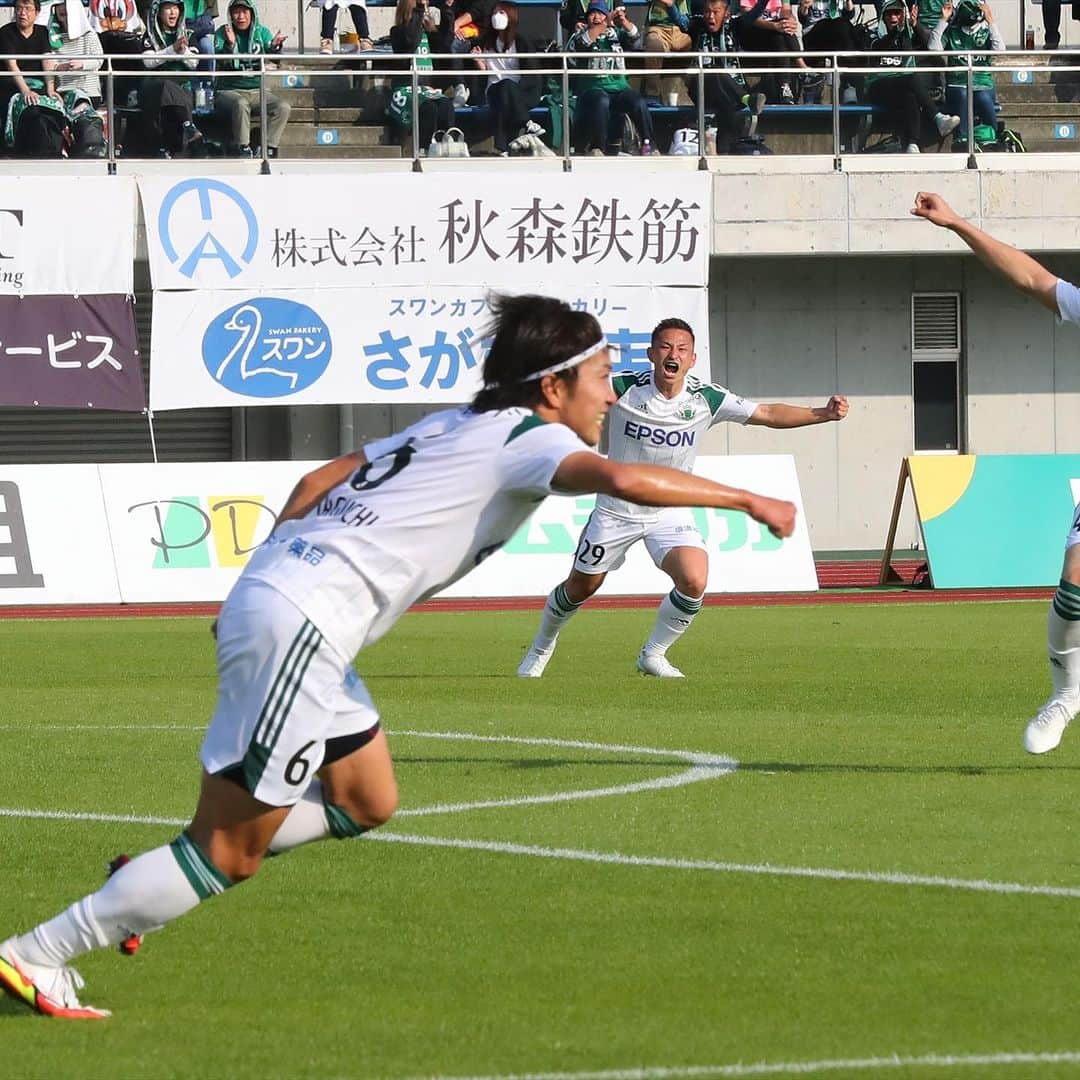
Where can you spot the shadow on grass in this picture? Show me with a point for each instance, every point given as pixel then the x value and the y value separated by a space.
pixel 899 770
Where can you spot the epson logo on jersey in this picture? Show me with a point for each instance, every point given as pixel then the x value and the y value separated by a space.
pixel 658 436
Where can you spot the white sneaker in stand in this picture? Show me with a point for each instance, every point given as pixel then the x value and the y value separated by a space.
pixel 946 124
pixel 660 666
pixel 533 664
pixel 1044 731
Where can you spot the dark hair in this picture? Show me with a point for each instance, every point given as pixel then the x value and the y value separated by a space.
pixel 670 324
pixel 491 36
pixel 530 333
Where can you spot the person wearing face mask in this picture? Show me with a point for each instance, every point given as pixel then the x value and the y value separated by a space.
pixel 969 27
pixel 510 92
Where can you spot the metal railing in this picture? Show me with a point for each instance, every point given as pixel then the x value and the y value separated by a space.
pixel 561 69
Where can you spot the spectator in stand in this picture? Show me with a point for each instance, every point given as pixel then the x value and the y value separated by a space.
pixel 419 30
pixel 829 25
pixel 1052 23
pixel 970 27
pixel 238 94
pixel 604 100
pixel 510 92
pixel 329 24
pixel 199 19
pixel 897 86
pixel 471 19
pixel 120 30
pixel 667 29
pixel 775 30
pixel 35 124
pixel 728 100
pixel 77 49
pixel 164 126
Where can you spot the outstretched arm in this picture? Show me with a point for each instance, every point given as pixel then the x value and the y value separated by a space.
pixel 315 484
pixel 652 485
pixel 1018 268
pixel 792 416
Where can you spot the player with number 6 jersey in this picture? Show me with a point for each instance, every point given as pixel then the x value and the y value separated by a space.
pixel 294 752
pixel 659 418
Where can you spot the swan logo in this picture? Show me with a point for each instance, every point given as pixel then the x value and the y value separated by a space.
pixel 267 347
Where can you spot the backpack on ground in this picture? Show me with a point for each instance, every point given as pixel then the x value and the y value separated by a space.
pixel 750 144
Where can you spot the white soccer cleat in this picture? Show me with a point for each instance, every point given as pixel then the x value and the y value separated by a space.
pixel 51 991
pixel 658 665
pixel 1044 732
pixel 946 124
pixel 533 664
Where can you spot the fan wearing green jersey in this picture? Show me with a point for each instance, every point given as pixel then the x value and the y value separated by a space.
pixel 659 417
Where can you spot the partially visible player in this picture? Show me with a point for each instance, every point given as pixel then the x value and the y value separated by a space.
pixel 294 752
pixel 658 418
pixel 1044 731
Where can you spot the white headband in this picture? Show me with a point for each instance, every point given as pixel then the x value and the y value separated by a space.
pixel 592 350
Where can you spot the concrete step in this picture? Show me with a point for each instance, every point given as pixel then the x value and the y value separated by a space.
pixel 346 153
pixel 1040 110
pixel 325 117
pixel 307 135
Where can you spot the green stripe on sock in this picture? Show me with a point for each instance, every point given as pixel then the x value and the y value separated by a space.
pixel 563 602
pixel 341 825
pixel 1066 606
pixel 1069 588
pixel 203 876
pixel 684 603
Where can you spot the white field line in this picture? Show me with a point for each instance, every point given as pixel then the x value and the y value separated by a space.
pixel 614 858
pixel 796 1068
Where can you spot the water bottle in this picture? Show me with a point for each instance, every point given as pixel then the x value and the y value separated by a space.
pixel 209 97
pixel 1029 37
pixel 200 98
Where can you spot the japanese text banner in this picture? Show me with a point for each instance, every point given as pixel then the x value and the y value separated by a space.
pixel 377 345
pixel 274 232
pixel 70 352
pixel 44 251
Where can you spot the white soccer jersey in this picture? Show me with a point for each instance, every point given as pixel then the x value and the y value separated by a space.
pixel 1068 301
pixel 433 502
pixel 644 426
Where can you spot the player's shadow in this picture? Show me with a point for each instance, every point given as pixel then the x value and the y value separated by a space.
pixel 542 763
pixel 898 770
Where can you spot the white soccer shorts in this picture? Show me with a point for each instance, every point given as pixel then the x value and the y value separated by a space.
pixel 606 539
pixel 282 692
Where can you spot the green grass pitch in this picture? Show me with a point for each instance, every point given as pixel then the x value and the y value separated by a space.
pixel 883 741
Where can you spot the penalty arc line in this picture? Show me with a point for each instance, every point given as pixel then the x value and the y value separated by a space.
pixel 614 858
pixel 796 1068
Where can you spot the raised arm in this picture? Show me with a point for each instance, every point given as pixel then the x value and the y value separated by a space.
pixel 314 485
pixel 1016 267
pixel 793 416
pixel 652 485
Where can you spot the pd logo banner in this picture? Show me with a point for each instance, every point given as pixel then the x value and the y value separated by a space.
pixel 185 531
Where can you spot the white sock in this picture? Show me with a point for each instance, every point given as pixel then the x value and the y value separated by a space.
pixel 157 887
pixel 1063 641
pixel 559 609
pixel 306 822
pixel 673 619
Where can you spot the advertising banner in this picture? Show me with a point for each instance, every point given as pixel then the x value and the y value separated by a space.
pixel 184 532
pixel 995 520
pixel 270 233
pixel 70 352
pixel 743 556
pixel 377 345
pixel 44 252
pixel 54 542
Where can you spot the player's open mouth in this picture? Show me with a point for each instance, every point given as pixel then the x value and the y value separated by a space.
pixel 671 367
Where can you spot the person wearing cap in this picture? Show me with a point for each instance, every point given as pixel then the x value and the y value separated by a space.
pixel 896 85
pixel 969 28
pixel 238 94
pixel 604 100
pixel 657 419
pixel 294 752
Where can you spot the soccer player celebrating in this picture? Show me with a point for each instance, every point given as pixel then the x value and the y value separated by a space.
pixel 1045 729
pixel 294 752
pixel 657 418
